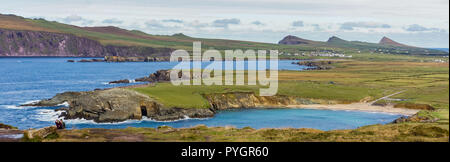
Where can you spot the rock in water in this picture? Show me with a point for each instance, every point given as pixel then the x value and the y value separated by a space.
pixel 117 104
pixel 120 81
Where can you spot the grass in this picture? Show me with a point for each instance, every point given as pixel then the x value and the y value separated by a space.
pixel 417 132
pixel 350 81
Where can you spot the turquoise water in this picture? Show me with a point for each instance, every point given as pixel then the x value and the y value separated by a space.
pixel 265 118
pixel 25 80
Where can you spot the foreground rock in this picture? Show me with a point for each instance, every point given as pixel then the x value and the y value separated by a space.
pixel 117 104
pixel 415 118
pixel 39 133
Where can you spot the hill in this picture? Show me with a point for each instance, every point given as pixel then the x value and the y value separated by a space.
pixel 38 37
pixel 388 41
pixel 293 40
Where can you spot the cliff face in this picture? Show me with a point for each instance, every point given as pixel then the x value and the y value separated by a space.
pixel 38 43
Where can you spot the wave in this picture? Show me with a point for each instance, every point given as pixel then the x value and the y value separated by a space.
pixel 47 115
pixel 30 102
pixel 16 107
pixel 65 104
pixel 52 115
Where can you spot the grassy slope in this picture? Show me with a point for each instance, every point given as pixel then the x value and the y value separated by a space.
pixel 122 37
pixel 353 81
pixel 412 132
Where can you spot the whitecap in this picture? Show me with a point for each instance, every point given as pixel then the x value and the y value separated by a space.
pixel 15 107
pixel 64 104
pixel 30 102
pixel 47 115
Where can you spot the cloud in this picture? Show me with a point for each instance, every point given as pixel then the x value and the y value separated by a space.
pixel 173 21
pixel 419 28
pixel 257 23
pixel 316 27
pixel 72 18
pixel 112 21
pixel 298 24
pixel 77 20
pixel 196 24
pixel 225 22
pixel 154 24
pixel 352 25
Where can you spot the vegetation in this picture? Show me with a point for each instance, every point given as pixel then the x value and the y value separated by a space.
pixel 350 81
pixel 412 132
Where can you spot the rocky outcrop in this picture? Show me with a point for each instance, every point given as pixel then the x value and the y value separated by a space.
pixel 39 133
pixel 120 81
pixel 40 43
pixel 117 104
pixel 90 60
pixel 138 59
pixel 317 65
pixel 415 118
pixel 158 76
pixel 240 100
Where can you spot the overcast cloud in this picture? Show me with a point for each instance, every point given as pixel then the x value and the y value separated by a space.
pixel 422 23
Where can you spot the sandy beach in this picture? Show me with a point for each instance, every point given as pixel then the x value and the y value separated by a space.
pixel 360 107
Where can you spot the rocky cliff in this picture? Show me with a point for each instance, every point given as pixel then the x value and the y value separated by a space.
pixel 240 100
pixel 40 43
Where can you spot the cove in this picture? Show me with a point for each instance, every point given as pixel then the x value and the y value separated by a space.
pixel 262 118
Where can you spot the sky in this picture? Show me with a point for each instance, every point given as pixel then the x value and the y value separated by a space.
pixel 422 23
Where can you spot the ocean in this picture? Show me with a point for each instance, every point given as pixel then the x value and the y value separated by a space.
pixel 24 80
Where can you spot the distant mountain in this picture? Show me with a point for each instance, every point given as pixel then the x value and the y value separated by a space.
pixel 336 40
pixel 387 41
pixel 21 36
pixel 293 40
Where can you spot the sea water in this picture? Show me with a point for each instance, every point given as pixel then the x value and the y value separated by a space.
pixel 25 80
